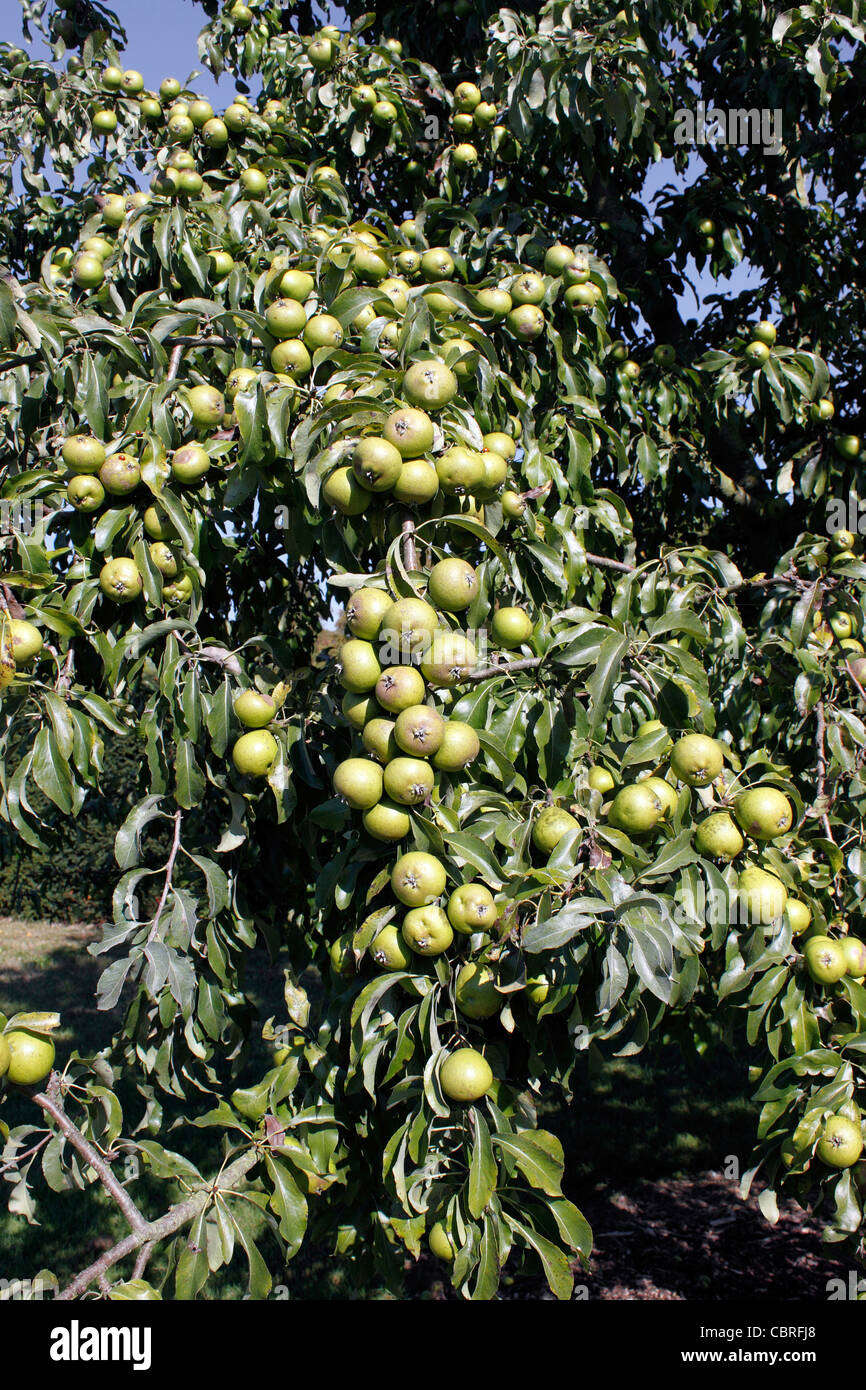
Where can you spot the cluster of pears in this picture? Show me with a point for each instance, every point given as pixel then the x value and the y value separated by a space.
pixel 759 349
pixel 187 121
pixel 255 752
pixel 396 647
pixel 762 341
pixel 85 264
pixel 97 472
pixel 830 958
pixel 474 117
pixel 515 297
pixel 837 630
pixel 26 1055
pixel 371 100
pixel 706 234
pixel 759 813
pixel 183 116
pixel 401 462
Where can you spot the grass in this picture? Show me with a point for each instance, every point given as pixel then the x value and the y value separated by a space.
pixel 658 1115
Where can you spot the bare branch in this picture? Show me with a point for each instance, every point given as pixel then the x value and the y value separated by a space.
pixel 605 563
pixel 48 1100
pixel 141 1260
pixel 505 668
pixel 821 765
pixel 410 551
pixel 174 361
pixel 174 1219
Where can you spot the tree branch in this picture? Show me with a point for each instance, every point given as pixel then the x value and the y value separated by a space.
pixel 505 668
pixel 605 563
pixel 141 1260
pixel 855 680
pixel 173 1220
pixel 821 766
pixel 174 361
pixel 410 550
pixel 47 1101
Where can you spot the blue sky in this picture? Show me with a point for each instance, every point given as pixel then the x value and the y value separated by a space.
pixel 162 40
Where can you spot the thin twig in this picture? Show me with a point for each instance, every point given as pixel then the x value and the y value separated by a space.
pixel 47 1100
pixel 505 668
pixel 820 757
pixel 141 1260
pixel 16 1162
pixel 169 869
pixel 174 361
pixel 64 680
pixel 821 765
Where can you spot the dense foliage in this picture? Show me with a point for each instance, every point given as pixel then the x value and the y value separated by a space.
pixel 407 332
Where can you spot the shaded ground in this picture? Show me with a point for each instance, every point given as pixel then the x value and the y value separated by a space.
pixel 645 1140
pixel 695 1238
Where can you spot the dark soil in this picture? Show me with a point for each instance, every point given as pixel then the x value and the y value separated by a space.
pixel 695 1238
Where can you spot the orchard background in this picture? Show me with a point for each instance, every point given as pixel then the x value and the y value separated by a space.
pixel 424 598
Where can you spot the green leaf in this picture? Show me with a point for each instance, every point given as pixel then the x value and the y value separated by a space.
pixel 541 1168
pixel 482 1169
pixel 557 930
pixel 192 1266
pixel 127 842
pixel 51 770
pixel 288 1203
pixel 260 1282
pixel 189 779
pixel 604 677
pixel 557 1270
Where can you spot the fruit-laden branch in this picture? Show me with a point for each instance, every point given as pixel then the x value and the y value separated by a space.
pixel 48 1100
